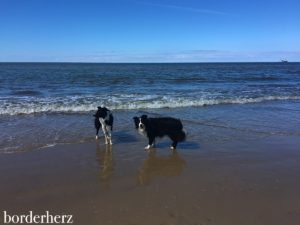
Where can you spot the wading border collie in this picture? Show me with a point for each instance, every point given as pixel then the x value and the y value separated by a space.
pixel 160 127
pixel 104 119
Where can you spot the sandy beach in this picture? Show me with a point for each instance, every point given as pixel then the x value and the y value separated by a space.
pixel 241 180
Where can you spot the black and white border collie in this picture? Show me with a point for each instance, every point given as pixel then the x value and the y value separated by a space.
pixel 104 119
pixel 159 127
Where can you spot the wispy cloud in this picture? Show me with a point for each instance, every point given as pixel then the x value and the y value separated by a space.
pixel 163 56
pixel 183 8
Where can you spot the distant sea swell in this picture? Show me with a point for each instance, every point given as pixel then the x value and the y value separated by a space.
pixel 29 88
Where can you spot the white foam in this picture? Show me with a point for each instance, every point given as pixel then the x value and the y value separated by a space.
pixel 122 102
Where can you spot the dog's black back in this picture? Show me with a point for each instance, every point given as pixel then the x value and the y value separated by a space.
pixel 159 127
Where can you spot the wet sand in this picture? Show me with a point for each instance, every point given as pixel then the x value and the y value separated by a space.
pixel 205 183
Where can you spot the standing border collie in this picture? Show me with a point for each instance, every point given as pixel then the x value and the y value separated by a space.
pixel 160 127
pixel 104 119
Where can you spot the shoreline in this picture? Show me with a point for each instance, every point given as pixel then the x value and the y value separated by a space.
pixel 205 124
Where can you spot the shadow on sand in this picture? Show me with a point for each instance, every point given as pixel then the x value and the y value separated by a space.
pixel 190 145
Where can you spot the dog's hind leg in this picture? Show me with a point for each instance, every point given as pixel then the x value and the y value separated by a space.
pixel 97 129
pixel 174 144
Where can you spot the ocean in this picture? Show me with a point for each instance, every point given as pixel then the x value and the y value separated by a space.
pixel 44 104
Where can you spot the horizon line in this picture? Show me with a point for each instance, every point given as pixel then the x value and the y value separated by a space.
pixel 193 62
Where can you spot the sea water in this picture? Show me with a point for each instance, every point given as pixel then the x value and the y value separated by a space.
pixel 42 104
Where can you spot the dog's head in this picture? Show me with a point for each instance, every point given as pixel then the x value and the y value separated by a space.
pixel 141 123
pixel 102 112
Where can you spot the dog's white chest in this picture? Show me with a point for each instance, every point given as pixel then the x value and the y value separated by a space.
pixel 142 132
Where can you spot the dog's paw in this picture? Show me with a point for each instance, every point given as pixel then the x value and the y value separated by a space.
pixel 96 137
pixel 172 147
pixel 148 147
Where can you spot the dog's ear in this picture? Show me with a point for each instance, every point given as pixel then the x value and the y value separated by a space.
pixel 136 122
pixel 144 117
pixel 99 107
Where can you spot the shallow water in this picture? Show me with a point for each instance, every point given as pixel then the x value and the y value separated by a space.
pixel 223 123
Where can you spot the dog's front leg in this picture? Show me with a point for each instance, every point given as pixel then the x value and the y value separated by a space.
pixel 97 131
pixel 97 126
pixel 109 135
pixel 104 129
pixel 105 134
pixel 151 143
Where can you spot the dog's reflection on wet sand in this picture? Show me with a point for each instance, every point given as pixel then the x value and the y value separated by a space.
pixel 104 156
pixel 160 166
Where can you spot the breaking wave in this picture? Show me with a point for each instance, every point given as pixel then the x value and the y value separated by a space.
pixel 81 104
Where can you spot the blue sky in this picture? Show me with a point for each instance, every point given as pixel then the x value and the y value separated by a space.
pixel 149 31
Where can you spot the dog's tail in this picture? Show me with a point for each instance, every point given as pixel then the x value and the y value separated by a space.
pixel 181 135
